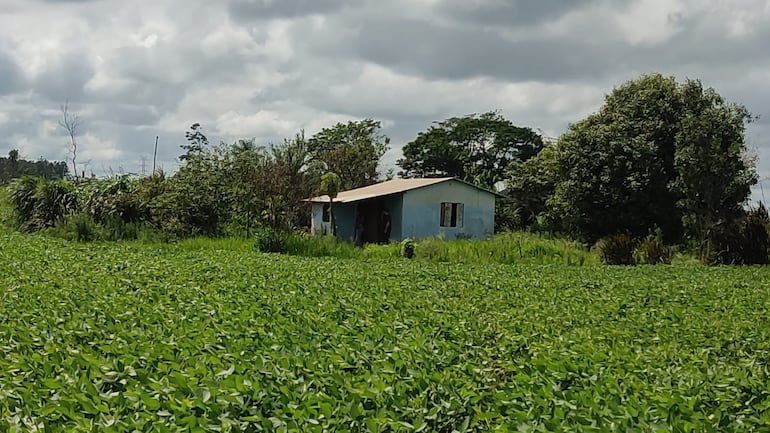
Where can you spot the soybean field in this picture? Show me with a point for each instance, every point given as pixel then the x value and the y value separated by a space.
pixel 132 337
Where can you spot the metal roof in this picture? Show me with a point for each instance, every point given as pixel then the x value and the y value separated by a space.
pixel 388 187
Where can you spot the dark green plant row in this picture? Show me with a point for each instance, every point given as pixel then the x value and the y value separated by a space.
pixel 129 337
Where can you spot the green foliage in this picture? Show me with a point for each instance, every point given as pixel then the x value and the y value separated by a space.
pixel 657 154
pixel 6 210
pixel 714 172
pixel 14 167
pixel 617 249
pixel 320 246
pixel 39 203
pixel 197 336
pixel 269 240
pixel 744 240
pixel 197 143
pixel 352 150
pixel 84 228
pixel 506 248
pixel 331 184
pixel 652 251
pixel 477 148
pixel 112 199
pixel 529 186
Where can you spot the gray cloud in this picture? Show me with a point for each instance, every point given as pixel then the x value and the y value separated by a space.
pixel 66 77
pixel 11 76
pixel 269 68
pixel 268 9
pixel 438 51
pixel 508 12
pixel 428 48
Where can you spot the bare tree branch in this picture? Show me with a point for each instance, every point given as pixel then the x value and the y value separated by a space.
pixel 70 122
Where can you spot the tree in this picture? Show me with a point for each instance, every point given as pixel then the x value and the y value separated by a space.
pixel 352 150
pixel 196 142
pixel 301 180
pixel 477 148
pixel 198 200
pixel 71 122
pixel 331 185
pixel 528 187
pixel 648 158
pixel 714 171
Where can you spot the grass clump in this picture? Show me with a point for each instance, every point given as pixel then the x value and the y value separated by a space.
pixel 652 251
pixel 744 240
pixel 617 249
pixel 268 240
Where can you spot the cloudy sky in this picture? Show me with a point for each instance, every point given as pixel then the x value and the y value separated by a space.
pixel 269 68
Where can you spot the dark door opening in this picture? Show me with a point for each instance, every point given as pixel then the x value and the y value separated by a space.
pixel 374 230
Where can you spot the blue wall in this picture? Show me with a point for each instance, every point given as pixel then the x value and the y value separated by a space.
pixel 344 213
pixel 416 213
pixel 422 211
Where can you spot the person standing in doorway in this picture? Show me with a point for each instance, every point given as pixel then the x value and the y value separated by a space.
pixel 358 234
pixel 385 225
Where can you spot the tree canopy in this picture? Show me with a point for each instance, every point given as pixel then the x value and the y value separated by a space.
pixel 658 154
pixel 351 150
pixel 477 148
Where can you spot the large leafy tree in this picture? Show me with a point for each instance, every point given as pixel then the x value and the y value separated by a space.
pixel 351 150
pixel 656 154
pixel 714 171
pixel 529 185
pixel 477 148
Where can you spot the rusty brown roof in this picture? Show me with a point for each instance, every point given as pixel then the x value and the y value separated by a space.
pixel 388 187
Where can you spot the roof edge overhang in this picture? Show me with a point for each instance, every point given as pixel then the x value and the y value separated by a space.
pixel 364 196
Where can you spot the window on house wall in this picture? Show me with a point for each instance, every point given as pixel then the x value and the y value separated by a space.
pixel 451 214
pixel 325 216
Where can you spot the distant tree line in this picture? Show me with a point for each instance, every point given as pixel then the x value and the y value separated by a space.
pixel 14 167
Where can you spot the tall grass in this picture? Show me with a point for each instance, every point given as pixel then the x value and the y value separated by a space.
pixel 83 228
pixel 508 248
pixel 6 210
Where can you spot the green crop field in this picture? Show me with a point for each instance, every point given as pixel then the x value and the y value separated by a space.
pixel 128 337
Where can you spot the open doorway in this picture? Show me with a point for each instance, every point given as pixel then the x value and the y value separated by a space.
pixel 371 212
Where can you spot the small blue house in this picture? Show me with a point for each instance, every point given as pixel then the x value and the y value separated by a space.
pixel 417 208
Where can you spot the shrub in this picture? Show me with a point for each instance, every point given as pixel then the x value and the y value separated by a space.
pixel 84 228
pixel 271 241
pixel 617 249
pixel 39 203
pixel 652 250
pixel 22 199
pixel 740 241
